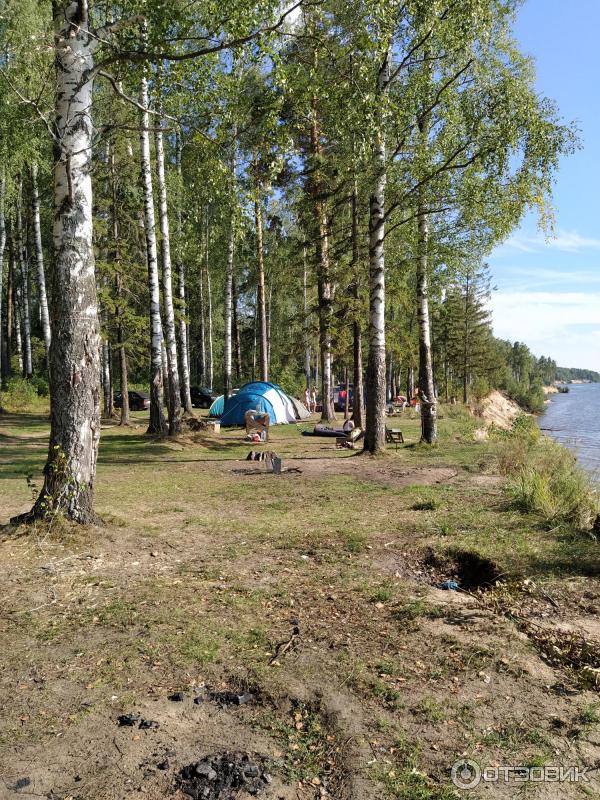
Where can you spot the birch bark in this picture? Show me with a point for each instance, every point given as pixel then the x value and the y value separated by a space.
pixel 324 288
pixel 263 357
pixel 376 377
pixel 167 281
pixel 426 383
pixel 157 420
pixel 2 246
pixel 75 346
pixel 25 289
pixel 184 348
pixel 228 306
pixel 358 411
pixel 39 258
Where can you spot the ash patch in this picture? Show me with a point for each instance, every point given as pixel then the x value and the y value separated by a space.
pixel 222 777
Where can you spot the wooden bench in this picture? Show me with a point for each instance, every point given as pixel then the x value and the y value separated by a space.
pixel 394 436
pixel 349 439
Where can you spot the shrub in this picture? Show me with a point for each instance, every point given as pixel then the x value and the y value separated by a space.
pixel 19 396
pixel 549 482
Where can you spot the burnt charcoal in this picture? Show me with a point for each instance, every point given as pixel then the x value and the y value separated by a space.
pixel 204 770
pixel 128 720
pixel 231 698
pixel 22 783
pixel 163 764
pixel 146 724
pixel 177 697
pixel 222 777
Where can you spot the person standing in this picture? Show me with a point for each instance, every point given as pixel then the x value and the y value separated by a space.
pixel 314 400
pixel 307 398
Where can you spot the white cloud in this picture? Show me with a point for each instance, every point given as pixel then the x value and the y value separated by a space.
pixel 551 324
pixel 565 241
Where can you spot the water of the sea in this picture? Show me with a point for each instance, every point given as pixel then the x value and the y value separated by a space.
pixel 573 419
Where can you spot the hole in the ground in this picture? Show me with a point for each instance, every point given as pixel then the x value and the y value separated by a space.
pixel 470 570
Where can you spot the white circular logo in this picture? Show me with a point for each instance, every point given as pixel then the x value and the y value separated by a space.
pixel 466 774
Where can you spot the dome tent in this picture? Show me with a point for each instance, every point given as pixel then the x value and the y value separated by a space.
pixel 217 407
pixel 260 396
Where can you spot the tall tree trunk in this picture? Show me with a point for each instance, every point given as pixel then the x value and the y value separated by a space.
pixel 167 281
pixel 23 260
pixel 201 321
pixel 269 310
pixel 324 288
pixel 260 286
pixel 236 331
pixel 228 307
pixel 375 433
pixel 120 311
pixel 305 321
pixel 184 347
pixel 10 306
pixel 426 383
pixel 254 341
pixel 358 394
pixel 347 397
pixel 39 257
pixel 210 365
pixel 75 347
pixel 157 419
pixel 107 379
pixel 2 312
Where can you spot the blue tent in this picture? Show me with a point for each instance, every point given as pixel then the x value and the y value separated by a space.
pixel 217 407
pixel 259 396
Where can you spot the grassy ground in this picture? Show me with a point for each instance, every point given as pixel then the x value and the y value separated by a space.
pixel 315 590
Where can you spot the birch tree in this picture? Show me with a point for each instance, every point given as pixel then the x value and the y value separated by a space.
pixel 157 420
pixel 167 280
pixel 39 258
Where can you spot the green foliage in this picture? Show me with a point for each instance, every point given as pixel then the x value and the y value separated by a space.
pixel 20 395
pixel 550 483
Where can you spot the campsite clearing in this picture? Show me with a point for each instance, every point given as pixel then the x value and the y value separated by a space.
pixel 207 566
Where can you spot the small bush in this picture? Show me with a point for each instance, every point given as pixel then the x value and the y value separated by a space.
pixel 19 396
pixel 549 482
pixel 41 385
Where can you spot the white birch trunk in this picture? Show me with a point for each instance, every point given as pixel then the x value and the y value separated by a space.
pixel 210 330
pixel 157 419
pixel 23 262
pixel 260 292
pixel 167 279
pixel 228 307
pixel 358 392
pixel 324 288
pixel 236 331
pixel 75 346
pixel 39 258
pixel 228 312
pixel 426 385
pixel 2 247
pixel 376 377
pixel 306 322
pixel 184 346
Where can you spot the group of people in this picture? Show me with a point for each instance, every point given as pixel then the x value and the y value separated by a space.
pixel 310 399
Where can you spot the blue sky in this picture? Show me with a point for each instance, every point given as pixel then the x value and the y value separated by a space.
pixel 549 290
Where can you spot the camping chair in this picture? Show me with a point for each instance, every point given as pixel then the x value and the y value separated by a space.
pixel 349 439
pixel 394 436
